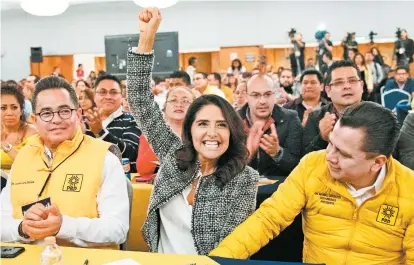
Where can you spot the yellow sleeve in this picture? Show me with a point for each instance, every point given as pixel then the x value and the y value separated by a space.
pixel 273 216
pixel 408 244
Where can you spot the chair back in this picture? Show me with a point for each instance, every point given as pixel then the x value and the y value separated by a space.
pixel 140 203
pixel 391 98
pixel 124 246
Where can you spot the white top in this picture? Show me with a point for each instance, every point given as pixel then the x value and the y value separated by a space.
pixel 175 228
pixel 191 70
pixel 364 194
pixel 109 228
pixel 230 70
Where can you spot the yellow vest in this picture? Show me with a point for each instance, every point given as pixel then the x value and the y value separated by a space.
pixel 75 180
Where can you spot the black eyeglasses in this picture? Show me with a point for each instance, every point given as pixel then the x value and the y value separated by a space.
pixel 48 115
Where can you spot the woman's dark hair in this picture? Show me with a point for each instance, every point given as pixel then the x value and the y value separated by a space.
pixel 14 84
pixel 86 83
pixel 11 89
pixel 89 95
pixel 234 160
pixel 362 57
pixel 228 80
pixel 239 67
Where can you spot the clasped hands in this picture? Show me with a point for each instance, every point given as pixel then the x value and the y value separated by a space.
pixel 40 222
pixel 257 138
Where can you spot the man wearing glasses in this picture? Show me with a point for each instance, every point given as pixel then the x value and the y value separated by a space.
pixel 110 123
pixel 62 182
pixel 274 133
pixel 344 87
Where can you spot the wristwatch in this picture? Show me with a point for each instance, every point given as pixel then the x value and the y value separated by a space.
pixel 7 148
pixel 21 233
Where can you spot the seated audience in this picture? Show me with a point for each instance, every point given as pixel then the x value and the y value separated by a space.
pixel 375 69
pixel 355 198
pixel 14 129
pixel 406 142
pixel 366 75
pixel 343 86
pixel 232 82
pixel 109 122
pixel 240 96
pixel 401 80
pixel 159 90
pixel 312 85
pixel 179 78
pixel 274 133
pixel 203 175
pixel 203 87
pixel 53 190
pixel 236 67
pixel 327 62
pixel 214 80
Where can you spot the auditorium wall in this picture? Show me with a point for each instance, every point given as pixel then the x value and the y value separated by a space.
pixel 202 26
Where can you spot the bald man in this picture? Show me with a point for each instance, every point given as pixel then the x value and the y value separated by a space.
pixel 274 133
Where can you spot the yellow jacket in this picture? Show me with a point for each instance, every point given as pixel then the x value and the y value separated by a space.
pixel 337 231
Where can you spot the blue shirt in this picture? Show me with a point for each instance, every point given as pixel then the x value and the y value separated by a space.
pixel 27 108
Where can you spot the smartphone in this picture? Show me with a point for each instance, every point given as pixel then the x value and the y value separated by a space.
pixel 11 252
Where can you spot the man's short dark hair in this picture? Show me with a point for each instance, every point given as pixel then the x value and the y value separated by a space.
pixel 328 54
pixel 312 72
pixel 217 77
pixel 158 80
pixel 402 68
pixel 379 124
pixel 183 75
pixel 79 65
pixel 106 77
pixel 340 64
pixel 205 75
pixel 54 82
pixel 246 75
pixel 191 60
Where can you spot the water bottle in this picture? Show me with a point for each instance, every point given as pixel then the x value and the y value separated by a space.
pixel 51 255
pixel 125 161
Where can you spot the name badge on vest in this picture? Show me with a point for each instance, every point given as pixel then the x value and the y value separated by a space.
pixel 46 202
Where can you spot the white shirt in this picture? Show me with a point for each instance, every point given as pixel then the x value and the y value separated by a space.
pixel 364 194
pixel 191 70
pixel 230 70
pixel 175 228
pixel 111 227
pixel 110 119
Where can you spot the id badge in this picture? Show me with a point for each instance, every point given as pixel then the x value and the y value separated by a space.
pixel 46 202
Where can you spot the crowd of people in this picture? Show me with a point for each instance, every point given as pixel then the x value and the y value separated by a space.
pixel 345 164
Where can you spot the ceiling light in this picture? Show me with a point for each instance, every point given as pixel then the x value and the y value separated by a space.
pixel 155 3
pixel 45 7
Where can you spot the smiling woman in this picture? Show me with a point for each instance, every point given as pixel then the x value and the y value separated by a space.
pixel 15 130
pixel 204 188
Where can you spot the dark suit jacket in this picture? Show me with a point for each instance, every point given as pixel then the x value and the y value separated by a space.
pixel 289 131
pixel 298 106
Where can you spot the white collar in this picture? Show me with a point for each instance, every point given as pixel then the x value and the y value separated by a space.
pixel 376 186
pixel 113 116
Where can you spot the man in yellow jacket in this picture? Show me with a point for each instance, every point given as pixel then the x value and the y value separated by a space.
pixel 64 183
pixel 357 202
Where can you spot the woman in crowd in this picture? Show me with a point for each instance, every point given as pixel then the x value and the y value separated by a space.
pixel 178 100
pixel 232 82
pixel 240 96
pixel 86 99
pixel 236 67
pixel 15 130
pixel 203 188
pixel 366 75
pixel 80 86
pixel 377 56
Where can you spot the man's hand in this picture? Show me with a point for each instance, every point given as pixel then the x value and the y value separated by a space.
pixel 306 116
pixel 270 143
pixel 93 119
pixel 41 229
pixel 149 20
pixel 253 140
pixel 37 212
pixel 326 125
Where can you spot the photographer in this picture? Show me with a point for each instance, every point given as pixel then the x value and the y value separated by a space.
pixel 297 57
pixel 324 45
pixel 403 49
pixel 349 43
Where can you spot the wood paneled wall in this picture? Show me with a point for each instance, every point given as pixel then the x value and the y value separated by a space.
pixel 65 62
pixel 100 63
pixel 220 60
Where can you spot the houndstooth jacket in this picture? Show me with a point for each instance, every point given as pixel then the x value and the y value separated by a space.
pixel 217 211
